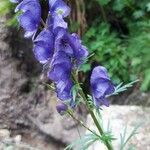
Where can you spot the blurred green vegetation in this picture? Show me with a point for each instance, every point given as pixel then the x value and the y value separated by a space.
pixel 119 35
pixel 117 32
pixel 8 8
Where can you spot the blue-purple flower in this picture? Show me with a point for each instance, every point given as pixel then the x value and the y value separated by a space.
pixel 101 86
pixel 69 52
pixel 58 11
pixel 59 7
pixel 71 45
pixel 61 108
pixel 54 46
pixel 30 17
pixel 64 90
pixel 44 46
pixel 60 68
pixel 80 52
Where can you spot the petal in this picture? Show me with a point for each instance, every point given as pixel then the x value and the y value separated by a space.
pixel 30 5
pixel 100 102
pixel 80 51
pixel 101 85
pixel 26 20
pixel 58 21
pixel 29 34
pixel 100 89
pixel 59 7
pixel 110 89
pixel 46 36
pixel 41 53
pixel 30 18
pixel 105 102
pixel 64 92
pixel 99 72
pixel 59 72
pixel 60 33
pixel 61 58
pixel 44 46
pixel 51 2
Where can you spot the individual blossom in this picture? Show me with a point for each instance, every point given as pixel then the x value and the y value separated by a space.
pixel 30 17
pixel 80 52
pixel 71 45
pixel 61 108
pixel 62 64
pixel 64 90
pixel 54 46
pixel 58 10
pixel 101 86
pixel 60 68
pixel 44 46
pixel 59 7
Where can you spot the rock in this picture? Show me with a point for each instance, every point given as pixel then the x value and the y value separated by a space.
pixel 60 128
pixel 17 139
pixel 28 109
pixel 122 116
pixel 4 133
pixel 25 103
pixel 134 96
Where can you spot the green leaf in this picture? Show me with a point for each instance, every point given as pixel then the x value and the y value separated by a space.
pixel 124 140
pixel 146 82
pixel 103 2
pixel 148 6
pixel 5 6
pixel 121 88
pixel 83 143
pixel 138 14
pixel 85 67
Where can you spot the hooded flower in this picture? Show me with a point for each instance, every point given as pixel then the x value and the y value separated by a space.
pixel 101 86
pixel 80 52
pixel 59 7
pixel 60 67
pixel 63 89
pixel 30 17
pixel 44 46
pixel 71 45
pixel 61 108
pixel 58 11
pixel 53 46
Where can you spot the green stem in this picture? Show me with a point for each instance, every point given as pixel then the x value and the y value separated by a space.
pixel 107 143
pixel 82 124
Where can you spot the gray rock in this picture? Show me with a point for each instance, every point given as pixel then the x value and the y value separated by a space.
pixel 4 134
pixel 122 116
pixel 61 128
pixel 25 104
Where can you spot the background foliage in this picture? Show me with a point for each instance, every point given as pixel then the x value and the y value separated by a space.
pixel 119 34
pixel 116 31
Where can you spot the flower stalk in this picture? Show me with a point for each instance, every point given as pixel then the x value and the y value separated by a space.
pixel 106 142
pixel 62 52
pixel 81 123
